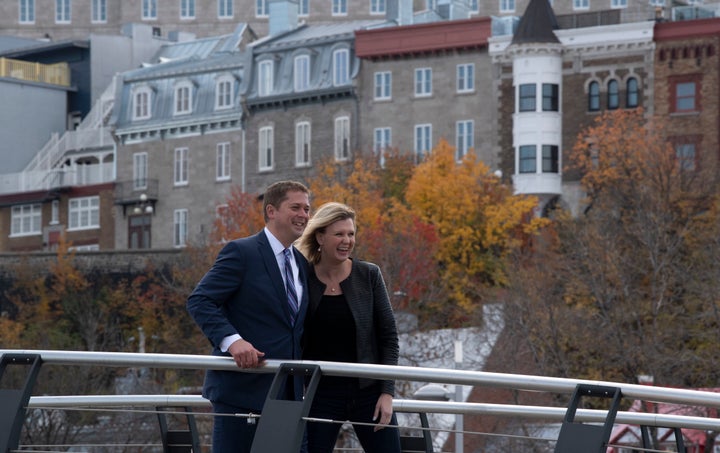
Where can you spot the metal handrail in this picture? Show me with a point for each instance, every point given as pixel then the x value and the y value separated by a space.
pixel 399 405
pixel 438 375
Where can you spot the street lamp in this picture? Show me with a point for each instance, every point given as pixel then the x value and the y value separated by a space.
pixel 143 205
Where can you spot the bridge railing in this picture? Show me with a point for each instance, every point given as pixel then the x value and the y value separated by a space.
pixel 554 385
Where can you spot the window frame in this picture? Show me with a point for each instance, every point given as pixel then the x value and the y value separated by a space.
pixel 618 4
pixel 383 85
pixel 464 138
pixel 675 99
pixel 140 170
pixel 98 13
pixel 266 77
pixel 632 93
pixel 63 11
pixel 465 78
pixel 551 99
pixel 84 213
pixel 26 12
pixel 266 148
pixel 527 102
pixel 423 86
pixel 342 138
pixel 26 220
pixel 181 166
pixel 341 67
pixel 550 155
pixel 613 94
pixel 262 9
pixel 303 8
pixel 527 155
pixel 142 108
pixel 593 96
pixel 225 9
pixel 301 72
pixel 224 92
pixel 223 159
pixel 581 4
pixel 422 140
pixel 303 137
pixel 183 98
pixel 148 9
pixel 507 6
pixel 378 7
pixel 187 9
pixel 339 8
pixel 180 228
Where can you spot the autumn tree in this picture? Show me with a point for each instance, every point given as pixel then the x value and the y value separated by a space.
pixel 629 287
pixel 478 221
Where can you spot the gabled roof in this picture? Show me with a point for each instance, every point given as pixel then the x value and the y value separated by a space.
pixel 537 24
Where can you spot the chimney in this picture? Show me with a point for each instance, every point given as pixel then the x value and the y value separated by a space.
pixel 283 16
pixel 400 11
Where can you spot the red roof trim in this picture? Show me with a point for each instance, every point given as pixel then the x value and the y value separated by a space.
pixel 669 31
pixel 420 38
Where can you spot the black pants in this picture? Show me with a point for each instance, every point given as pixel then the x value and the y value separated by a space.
pixel 341 399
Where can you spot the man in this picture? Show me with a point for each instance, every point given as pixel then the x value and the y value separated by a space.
pixel 245 309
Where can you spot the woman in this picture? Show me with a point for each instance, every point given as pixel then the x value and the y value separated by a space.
pixel 349 319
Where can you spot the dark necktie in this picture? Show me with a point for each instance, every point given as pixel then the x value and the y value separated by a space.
pixel 290 286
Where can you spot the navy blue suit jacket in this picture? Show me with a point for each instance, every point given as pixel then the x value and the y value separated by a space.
pixel 244 293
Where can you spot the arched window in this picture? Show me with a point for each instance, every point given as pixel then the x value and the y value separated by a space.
pixel 594 97
pixel 632 94
pixel 613 95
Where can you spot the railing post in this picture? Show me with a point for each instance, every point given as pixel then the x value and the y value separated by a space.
pixel 285 416
pixel 179 441
pixel 575 437
pixel 15 401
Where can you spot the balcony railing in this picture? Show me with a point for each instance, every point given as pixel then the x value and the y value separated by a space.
pixel 57 74
pixel 74 175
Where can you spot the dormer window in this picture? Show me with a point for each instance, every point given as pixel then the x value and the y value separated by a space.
pixel 224 92
pixel 265 78
pixel 341 67
pixel 141 103
pixel 302 72
pixel 183 97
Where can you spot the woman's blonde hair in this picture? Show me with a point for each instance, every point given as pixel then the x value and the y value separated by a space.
pixel 327 214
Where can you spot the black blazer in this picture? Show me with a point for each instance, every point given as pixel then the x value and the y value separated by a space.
pixel 376 332
pixel 244 293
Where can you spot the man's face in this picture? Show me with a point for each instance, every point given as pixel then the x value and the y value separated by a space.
pixel 288 221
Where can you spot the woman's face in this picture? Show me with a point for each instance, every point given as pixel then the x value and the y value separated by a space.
pixel 338 240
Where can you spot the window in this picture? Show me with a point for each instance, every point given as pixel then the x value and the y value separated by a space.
pixel 381 142
pixel 302 144
pixel 187 9
pixel 657 2
pixel 302 72
pixel 180 227
pixel 550 97
pixel 464 138
pixel 431 4
pixel 550 158
pixel 581 4
pixel 507 6
pixel 342 138
pixel 26 220
pixel 84 213
pixel 383 85
pixel 632 96
pixel 222 162
pixel 594 97
pixel 141 104
pixel 62 11
pixel 474 6
pixel 27 11
pixel 262 8
pixel 527 159
pixel 265 78
pixel 55 212
pixel 149 9
pixel 140 171
pixel 339 7
pixel 377 6
pixel 423 82
pixel 225 9
pixel 99 11
pixel 304 7
pixel 686 155
pixel 183 94
pixel 181 167
pixel 618 3
pixel 526 97
pixel 685 96
pixel 341 67
pixel 265 148
pixel 613 95
pixel 224 93
pixel 465 78
pixel 423 140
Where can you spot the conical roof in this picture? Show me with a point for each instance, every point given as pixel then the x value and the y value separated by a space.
pixel 537 24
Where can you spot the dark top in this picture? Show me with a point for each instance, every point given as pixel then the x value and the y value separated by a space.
pixel 376 338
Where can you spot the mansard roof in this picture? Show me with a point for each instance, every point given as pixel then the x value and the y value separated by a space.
pixel 537 24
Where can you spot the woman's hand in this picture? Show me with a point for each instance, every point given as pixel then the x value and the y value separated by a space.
pixel 383 411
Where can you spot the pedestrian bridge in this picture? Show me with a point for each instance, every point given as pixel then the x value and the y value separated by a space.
pixel 281 424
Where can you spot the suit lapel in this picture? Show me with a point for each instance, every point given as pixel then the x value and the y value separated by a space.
pixel 270 263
